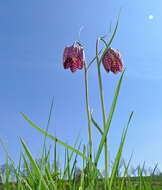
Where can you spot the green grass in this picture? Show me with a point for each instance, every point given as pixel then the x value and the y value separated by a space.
pixel 43 175
pixel 130 183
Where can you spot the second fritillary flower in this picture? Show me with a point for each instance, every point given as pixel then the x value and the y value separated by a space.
pixel 112 61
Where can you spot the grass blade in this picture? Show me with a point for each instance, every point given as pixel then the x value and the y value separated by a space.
pixel 118 156
pixel 108 121
pixel 125 172
pixel 96 125
pixel 44 144
pixel 55 139
pixel 70 157
pixel 5 148
pixel 7 174
pixel 49 176
pixel 29 174
pixel 112 37
pixel 36 170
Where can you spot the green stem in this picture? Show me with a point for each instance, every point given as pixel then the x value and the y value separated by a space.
pixel 89 118
pixel 104 117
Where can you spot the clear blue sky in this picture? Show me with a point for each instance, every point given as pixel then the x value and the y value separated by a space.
pixel 33 36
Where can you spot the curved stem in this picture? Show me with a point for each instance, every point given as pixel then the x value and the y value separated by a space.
pixel 103 114
pixel 104 41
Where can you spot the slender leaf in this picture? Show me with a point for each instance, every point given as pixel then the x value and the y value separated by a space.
pixel 96 125
pixel 108 121
pixel 7 174
pixel 48 174
pixel 55 139
pixel 118 156
pixel 125 172
pixel 29 174
pixel 36 170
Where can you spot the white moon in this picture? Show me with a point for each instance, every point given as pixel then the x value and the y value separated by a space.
pixel 151 17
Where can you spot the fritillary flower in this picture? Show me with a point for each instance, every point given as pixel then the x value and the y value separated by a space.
pixel 112 61
pixel 73 57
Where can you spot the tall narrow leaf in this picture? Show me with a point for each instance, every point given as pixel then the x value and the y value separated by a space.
pixel 118 156
pixel 36 170
pixel 55 139
pixel 108 121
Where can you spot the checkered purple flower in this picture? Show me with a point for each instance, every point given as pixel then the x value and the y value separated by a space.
pixel 73 57
pixel 112 61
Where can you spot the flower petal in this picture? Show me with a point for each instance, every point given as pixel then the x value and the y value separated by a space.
pixel 73 57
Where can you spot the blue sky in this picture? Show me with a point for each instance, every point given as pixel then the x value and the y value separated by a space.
pixel 33 36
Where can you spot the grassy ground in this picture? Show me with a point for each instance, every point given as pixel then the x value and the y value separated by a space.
pixel 132 182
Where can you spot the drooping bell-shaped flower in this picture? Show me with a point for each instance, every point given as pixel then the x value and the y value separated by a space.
pixel 73 57
pixel 112 61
